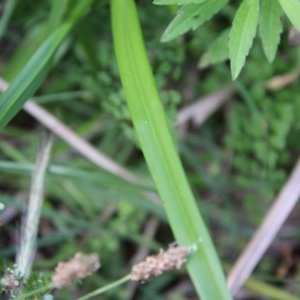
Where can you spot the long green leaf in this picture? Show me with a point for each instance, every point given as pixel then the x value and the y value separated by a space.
pixel 270 27
pixel 30 78
pixel 6 15
pixel 32 75
pixel 192 16
pixel 34 38
pixel 242 34
pixel 292 10
pixel 150 123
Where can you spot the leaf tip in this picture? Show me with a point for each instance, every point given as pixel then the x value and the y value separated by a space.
pixel 235 72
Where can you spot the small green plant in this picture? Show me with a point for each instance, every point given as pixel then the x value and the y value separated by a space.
pixel 265 14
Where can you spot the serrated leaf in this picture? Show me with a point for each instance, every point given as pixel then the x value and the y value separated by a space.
pixel 217 51
pixel 292 10
pixel 270 27
pixel 176 2
pixel 242 34
pixel 192 16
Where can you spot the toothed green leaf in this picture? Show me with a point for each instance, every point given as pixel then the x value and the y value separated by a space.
pixel 292 10
pixel 242 34
pixel 270 27
pixel 191 17
pixel 217 51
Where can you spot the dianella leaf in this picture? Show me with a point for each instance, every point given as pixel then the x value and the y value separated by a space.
pixel 149 120
pixel 192 16
pixel 270 27
pixel 292 10
pixel 242 34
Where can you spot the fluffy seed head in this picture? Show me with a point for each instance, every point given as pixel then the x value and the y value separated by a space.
pixel 79 266
pixel 173 258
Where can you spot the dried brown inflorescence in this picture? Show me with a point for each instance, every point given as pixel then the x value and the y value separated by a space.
pixel 79 266
pixel 9 282
pixel 173 258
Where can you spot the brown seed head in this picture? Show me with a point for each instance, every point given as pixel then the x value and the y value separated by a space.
pixel 79 266
pixel 173 258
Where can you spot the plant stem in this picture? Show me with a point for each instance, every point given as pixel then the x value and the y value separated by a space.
pixel 105 288
pixel 31 224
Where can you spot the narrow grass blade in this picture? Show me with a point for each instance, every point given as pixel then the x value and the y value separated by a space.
pixel 150 123
pixel 32 75
pixel 7 12
pixel 58 9
pixel 268 291
pixel 34 39
pixel 178 2
pixel 30 78
pixel 242 34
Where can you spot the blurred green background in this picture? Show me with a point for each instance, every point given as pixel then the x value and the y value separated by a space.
pixel 236 162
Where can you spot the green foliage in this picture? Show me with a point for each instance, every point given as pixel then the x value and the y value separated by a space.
pixel 265 13
pixel 247 139
pixel 236 162
pixel 270 27
pixel 8 10
pixel 260 125
pixel 28 81
pixel 292 10
pixel 192 16
pixel 217 51
pixel 178 2
pixel 242 34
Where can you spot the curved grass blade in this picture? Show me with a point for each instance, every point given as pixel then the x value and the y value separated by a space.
pixel 34 39
pixel 242 34
pixel 150 123
pixel 32 75
pixel 30 78
pixel 6 15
